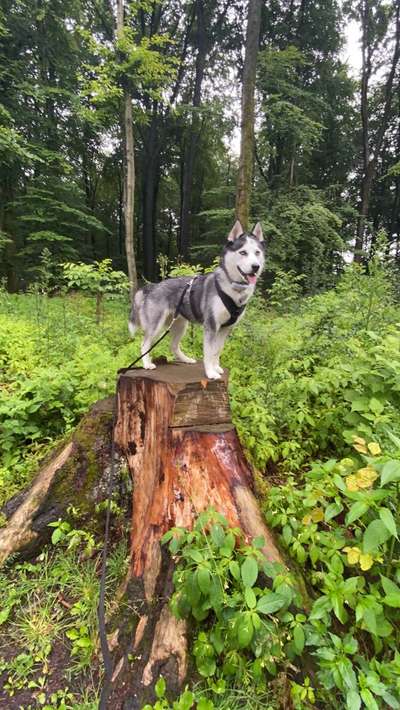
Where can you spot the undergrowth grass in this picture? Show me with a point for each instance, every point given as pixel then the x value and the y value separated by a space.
pixel 308 380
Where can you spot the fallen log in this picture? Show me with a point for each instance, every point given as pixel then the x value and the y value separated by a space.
pixel 75 474
pixel 174 428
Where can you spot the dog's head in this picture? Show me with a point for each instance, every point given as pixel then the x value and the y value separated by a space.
pixel 243 256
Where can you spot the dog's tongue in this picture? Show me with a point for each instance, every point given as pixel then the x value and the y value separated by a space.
pixel 251 278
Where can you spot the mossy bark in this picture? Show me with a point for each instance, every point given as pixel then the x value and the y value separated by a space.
pixel 75 474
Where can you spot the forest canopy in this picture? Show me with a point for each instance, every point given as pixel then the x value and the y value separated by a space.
pixel 326 174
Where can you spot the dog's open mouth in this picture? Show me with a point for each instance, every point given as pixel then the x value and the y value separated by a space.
pixel 250 278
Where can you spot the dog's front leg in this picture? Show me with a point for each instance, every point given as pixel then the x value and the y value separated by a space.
pixel 220 338
pixel 213 344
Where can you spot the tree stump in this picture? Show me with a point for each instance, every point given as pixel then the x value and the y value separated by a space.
pixel 174 428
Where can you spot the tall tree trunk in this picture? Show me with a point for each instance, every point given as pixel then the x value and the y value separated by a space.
pixel 129 170
pixel 371 153
pixel 193 138
pixel 248 113
pixel 150 189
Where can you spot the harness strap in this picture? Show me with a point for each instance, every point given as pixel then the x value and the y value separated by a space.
pixel 193 307
pixel 230 305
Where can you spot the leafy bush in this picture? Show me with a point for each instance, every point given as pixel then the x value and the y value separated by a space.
pixel 341 522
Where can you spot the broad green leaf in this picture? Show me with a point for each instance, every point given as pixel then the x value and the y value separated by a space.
pixel 234 570
pixel 250 597
pixel 320 607
pixel 298 638
pixel 353 700
pixel 356 511
pixel 389 586
pixel 369 619
pixel 375 535
pixel 56 536
pixel 368 699
pixel 4 614
pixel 249 571
pixel 270 602
pixel 245 629
pixel 390 472
pixel 218 535
pixel 205 665
pixel 332 510
pixel 392 600
pixel 196 555
pixel 388 520
pixel 204 579
pixel 160 687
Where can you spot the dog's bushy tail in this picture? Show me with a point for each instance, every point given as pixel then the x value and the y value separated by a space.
pixel 134 318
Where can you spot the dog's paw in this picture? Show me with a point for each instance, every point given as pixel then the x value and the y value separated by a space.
pixel 186 359
pixel 219 369
pixel 213 375
pixel 150 366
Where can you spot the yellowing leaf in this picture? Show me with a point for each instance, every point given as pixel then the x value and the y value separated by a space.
pixel 352 483
pixel 359 440
pixel 374 448
pixel 353 555
pixel 366 561
pixel 361 448
pixel 317 515
pixel 306 520
pixel 366 476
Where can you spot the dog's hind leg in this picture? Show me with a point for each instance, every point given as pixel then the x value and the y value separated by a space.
pixel 149 336
pixel 178 329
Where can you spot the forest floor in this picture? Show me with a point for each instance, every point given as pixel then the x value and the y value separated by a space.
pixel 315 398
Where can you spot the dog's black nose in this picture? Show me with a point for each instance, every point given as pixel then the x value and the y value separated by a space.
pixel 255 267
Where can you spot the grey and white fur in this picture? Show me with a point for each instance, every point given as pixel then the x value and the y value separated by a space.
pixel 155 305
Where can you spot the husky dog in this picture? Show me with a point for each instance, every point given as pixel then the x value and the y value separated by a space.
pixel 216 300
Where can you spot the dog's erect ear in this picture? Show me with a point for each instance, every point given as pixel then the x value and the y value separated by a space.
pixel 258 233
pixel 236 232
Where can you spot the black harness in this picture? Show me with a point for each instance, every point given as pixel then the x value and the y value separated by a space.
pixel 230 305
pixel 234 310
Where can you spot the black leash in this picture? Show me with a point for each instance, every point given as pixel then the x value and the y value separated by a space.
pixel 101 615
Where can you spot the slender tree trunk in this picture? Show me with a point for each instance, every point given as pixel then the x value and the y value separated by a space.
pixel 151 169
pixel 193 138
pixel 129 170
pixel 248 113
pixel 372 153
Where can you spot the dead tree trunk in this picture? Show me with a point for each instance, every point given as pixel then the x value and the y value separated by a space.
pixel 175 430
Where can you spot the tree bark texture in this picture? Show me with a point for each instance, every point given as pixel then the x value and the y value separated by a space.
pixel 174 429
pixel 76 473
pixel 129 171
pixel 246 158
pixel 372 147
pixel 193 135
pixel 151 176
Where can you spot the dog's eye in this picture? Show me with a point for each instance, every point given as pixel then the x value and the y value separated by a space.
pixel 258 253
pixel 243 253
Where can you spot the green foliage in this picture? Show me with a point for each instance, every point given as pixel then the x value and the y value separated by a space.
pixel 48 605
pixel 96 278
pixel 285 292
pixel 320 376
pixel 340 522
pixel 245 630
